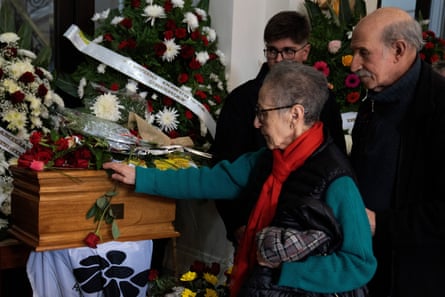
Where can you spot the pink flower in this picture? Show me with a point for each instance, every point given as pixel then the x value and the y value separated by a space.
pixel 323 67
pixel 37 165
pixel 334 46
pixel 352 80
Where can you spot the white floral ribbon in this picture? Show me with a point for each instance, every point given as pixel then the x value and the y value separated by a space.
pixel 132 69
pixel 12 144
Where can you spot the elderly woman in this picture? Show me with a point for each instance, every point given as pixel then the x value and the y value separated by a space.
pixel 304 203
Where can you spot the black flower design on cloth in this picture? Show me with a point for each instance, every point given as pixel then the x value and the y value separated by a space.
pixel 109 276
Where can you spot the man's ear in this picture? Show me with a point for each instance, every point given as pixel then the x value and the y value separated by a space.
pixel 399 47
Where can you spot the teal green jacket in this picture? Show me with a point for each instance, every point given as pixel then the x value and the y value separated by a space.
pixel 351 267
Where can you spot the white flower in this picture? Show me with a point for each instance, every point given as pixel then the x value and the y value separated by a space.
pixel 210 33
pixel 201 13
pixel 26 53
pixel 202 57
pixel 131 86
pixel 101 68
pixel 81 87
pixel 334 46
pixel 221 56
pixel 167 119
pixel 9 37
pixel 101 15
pixel 46 73
pixel 116 20
pixel 172 50
pixel 98 39
pixel 19 68
pixel 16 120
pixel 107 107
pixel 143 95
pixel 191 20
pixel 152 12
pixel 178 3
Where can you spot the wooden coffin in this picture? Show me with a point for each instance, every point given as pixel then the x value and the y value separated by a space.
pixel 49 209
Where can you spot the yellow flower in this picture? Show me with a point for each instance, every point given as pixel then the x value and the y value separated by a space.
pixel 210 278
pixel 210 293
pixel 189 276
pixel 346 60
pixel 188 293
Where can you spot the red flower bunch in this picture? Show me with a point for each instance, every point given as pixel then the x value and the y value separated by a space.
pixel 71 151
pixel 434 48
pixel 174 40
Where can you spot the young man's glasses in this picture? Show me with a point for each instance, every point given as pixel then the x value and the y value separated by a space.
pixel 287 53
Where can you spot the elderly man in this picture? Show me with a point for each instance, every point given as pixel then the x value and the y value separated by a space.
pixel 398 154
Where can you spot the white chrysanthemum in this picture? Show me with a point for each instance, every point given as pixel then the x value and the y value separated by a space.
pixel 34 102
pixel 17 69
pixel 143 95
pixel 131 86
pixel 153 12
pixel 149 117
pixel 101 68
pixel 16 120
pixel 53 98
pixel 98 16
pixel 167 119
pixel 36 122
pixel 154 96
pixel 98 39
pixel 11 86
pixel 210 33
pixel 26 53
pixel 171 51
pixel 202 57
pixel 202 13
pixel 9 37
pixel 178 3
pixel 107 107
pixel 191 20
pixel 47 74
pixel 81 87
pixel 222 57
pixel 116 20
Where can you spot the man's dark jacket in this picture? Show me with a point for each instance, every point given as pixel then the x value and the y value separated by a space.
pixel 411 234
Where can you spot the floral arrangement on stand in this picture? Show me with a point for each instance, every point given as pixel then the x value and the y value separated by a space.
pixel 434 48
pixel 174 40
pixel 200 281
pixel 330 52
pixel 27 104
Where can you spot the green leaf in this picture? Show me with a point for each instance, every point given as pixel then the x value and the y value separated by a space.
pixel 115 230
pixel 7 17
pixel 102 202
pixel 92 211
pixel 25 33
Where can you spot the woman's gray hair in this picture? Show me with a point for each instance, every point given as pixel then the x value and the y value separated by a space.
pixel 295 83
pixel 408 30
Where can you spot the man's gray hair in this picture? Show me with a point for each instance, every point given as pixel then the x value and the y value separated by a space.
pixel 408 30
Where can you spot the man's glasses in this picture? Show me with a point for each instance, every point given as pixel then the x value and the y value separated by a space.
pixel 287 53
pixel 260 112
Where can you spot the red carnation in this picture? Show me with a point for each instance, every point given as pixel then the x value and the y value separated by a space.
pixel 108 37
pixel 187 52
pixel 189 114
pixel 153 275
pixel 200 94
pixel 135 3
pixel 353 97
pixel 205 40
pixel 114 86
pixel 42 91
pixel 39 73
pixel 168 6
pixel 170 25
pixel 217 98
pixel 167 101
pixel 429 45
pixel 195 35
pixel 35 138
pixel 27 77
pixel 168 34
pixel 17 97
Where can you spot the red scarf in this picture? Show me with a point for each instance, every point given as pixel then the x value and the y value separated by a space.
pixel 284 162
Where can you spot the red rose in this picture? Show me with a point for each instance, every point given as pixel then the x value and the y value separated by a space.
pixel 160 49
pixel 62 144
pixel 200 94
pixel 92 240
pixel 83 153
pixel 205 40
pixel 183 78
pixel 135 3
pixel 195 35
pixel 434 58
pixel 187 52
pixel 194 64
pixel 35 138
pixel 81 163
pixel 39 73
pixel 199 78
pixel 168 6
pixel 60 162
pixel 108 37
pixel 37 165
pixel 127 23
pixel 170 25
pixel 167 101
pixel 215 268
pixel 43 154
pixel 188 114
pixel 180 33
pixel 197 266
pixel 153 275
pixel 168 34
pixel 114 86
pixel 217 98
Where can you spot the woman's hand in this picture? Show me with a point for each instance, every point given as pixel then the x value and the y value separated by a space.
pixel 122 172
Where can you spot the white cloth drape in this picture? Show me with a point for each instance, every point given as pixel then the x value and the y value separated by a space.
pixel 113 269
